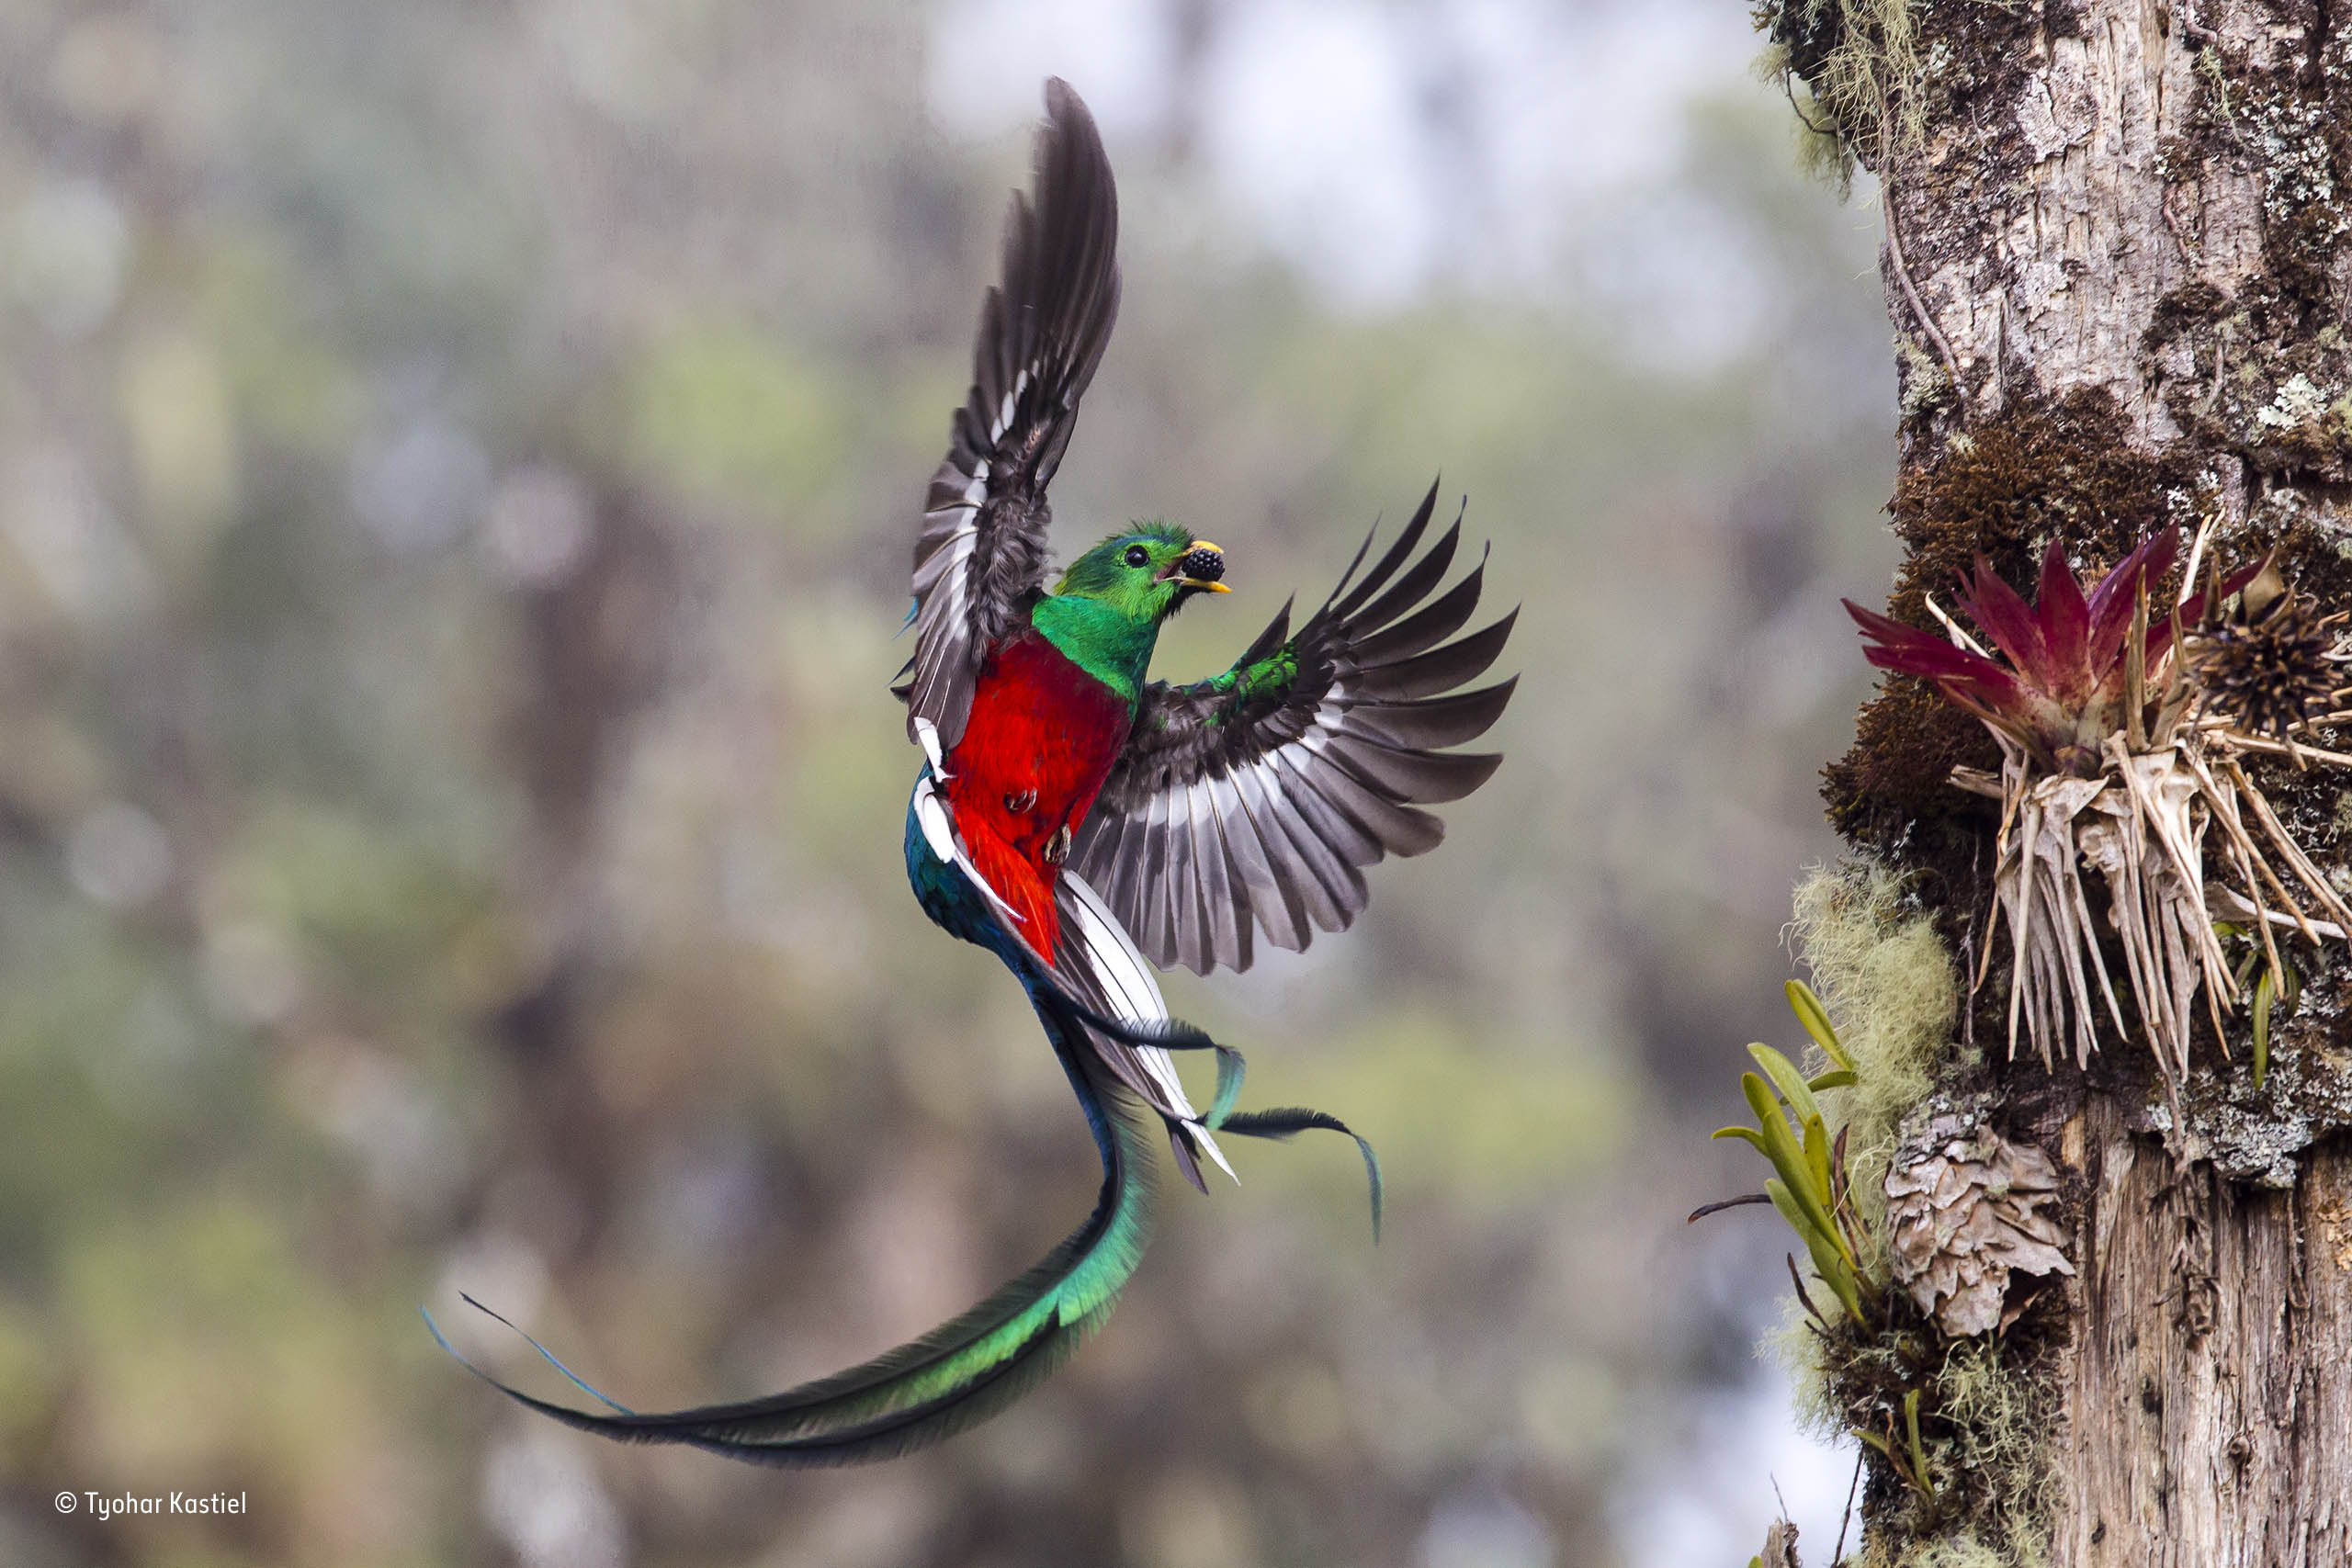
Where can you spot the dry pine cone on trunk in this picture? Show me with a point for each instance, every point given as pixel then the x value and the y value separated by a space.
pixel 1965 1207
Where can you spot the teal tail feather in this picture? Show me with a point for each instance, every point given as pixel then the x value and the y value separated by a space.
pixel 1284 1122
pixel 953 1377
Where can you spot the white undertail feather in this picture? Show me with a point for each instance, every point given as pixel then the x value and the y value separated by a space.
pixel 1134 996
pixel 927 733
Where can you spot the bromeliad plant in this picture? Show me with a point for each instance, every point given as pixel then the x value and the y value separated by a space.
pixel 2120 728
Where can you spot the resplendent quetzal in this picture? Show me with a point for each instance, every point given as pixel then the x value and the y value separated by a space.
pixel 1073 818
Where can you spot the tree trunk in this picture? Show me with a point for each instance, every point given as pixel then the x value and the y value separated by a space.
pixel 2118 268
pixel 2207 1392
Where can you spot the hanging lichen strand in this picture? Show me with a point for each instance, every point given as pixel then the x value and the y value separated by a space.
pixel 2120 728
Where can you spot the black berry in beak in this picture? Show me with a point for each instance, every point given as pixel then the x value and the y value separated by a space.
pixel 1203 567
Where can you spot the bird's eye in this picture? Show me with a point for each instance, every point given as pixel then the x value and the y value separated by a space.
pixel 1138 556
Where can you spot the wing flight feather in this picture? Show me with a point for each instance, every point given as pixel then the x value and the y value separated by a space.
pixel 980 559
pixel 1262 794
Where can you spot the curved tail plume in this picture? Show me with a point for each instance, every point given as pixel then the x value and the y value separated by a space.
pixel 954 1377
pixel 975 1366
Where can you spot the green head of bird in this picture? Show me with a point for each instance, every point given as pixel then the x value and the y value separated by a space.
pixel 1148 572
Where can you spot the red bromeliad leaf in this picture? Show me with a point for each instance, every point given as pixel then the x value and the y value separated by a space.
pixel 2011 622
pixel 1969 679
pixel 2066 629
pixel 2062 693
pixel 2113 601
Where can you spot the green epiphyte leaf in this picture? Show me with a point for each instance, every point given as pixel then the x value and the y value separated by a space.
pixel 1815 1019
pixel 2263 993
pixel 1788 1081
pixel 1816 1156
pixel 1826 1261
pixel 1918 1451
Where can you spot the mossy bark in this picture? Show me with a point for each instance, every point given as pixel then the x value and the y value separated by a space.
pixel 2120 269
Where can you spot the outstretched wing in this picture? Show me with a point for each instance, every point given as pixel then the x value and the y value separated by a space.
pixel 981 556
pixel 1256 798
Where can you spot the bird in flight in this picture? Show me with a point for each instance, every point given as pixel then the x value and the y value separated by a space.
pixel 1087 825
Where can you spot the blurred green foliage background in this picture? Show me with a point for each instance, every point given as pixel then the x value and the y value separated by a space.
pixel 457 471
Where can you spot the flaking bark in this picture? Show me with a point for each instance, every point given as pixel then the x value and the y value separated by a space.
pixel 2206 1392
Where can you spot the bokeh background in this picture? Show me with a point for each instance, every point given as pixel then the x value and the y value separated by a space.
pixel 457 469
